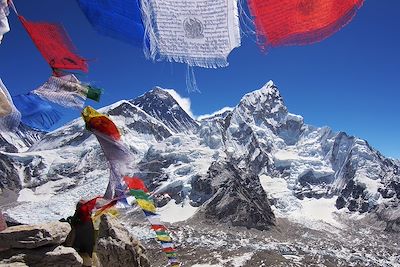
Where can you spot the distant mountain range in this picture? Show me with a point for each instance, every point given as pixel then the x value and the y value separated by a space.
pixel 243 166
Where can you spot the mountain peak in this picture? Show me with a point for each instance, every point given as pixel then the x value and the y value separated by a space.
pixel 264 106
pixel 267 92
pixel 162 105
pixel 160 92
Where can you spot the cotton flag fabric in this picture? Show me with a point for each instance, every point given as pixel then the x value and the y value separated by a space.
pixel 4 26
pixel 197 32
pixel 67 91
pixel 54 44
pixel 36 112
pixel 10 117
pixel 116 19
pixel 114 150
pixel 300 22
pixel 6 105
pixel 138 189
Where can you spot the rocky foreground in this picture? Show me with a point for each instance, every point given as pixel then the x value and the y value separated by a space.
pixel 201 242
pixel 42 245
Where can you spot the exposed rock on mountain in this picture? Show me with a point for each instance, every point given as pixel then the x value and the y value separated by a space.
pixel 162 106
pixel 236 197
pixel 20 140
pixel 258 142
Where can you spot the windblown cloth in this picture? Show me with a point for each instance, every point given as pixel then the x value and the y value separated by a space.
pixel 138 189
pixel 114 150
pixel 10 117
pixel 54 44
pixel 197 32
pixel 36 112
pixel 67 91
pixel 6 105
pixel 115 18
pixel 4 26
pixel 300 22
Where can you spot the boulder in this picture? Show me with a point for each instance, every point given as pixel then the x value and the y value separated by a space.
pixel 116 247
pixel 43 256
pixel 34 236
pixel 62 256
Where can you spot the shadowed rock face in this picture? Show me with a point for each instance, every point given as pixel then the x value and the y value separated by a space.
pixel 116 247
pixel 235 197
pixel 162 106
pixel 9 177
pixel 20 140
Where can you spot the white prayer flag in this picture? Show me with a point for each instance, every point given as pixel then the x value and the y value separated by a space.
pixel 10 117
pixel 197 32
pixel 66 91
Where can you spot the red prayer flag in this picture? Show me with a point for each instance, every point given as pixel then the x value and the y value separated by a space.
pixel 300 22
pixel 159 228
pixel 135 183
pixel 105 126
pixel 85 208
pixel 54 44
pixel 169 250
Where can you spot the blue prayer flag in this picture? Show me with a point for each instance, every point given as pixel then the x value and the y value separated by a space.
pixel 36 112
pixel 119 19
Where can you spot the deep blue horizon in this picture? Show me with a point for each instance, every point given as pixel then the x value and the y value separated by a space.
pixel 349 82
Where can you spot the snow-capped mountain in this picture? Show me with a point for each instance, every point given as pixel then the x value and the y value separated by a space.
pixel 161 105
pixel 14 142
pixel 20 140
pixel 244 166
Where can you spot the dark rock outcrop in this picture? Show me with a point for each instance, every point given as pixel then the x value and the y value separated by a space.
pixel 116 247
pixel 162 106
pixel 237 199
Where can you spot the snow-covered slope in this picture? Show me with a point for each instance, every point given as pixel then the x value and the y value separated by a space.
pixel 20 140
pixel 13 142
pixel 271 157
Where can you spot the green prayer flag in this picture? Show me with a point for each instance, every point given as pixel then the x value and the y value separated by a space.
pixel 140 194
pixel 94 93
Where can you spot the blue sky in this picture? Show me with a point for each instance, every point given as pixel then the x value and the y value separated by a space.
pixel 350 82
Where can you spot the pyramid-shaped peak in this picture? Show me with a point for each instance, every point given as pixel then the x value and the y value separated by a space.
pixel 162 105
pixel 160 92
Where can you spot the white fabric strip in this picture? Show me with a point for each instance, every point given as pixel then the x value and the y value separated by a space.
pixel 197 32
pixel 4 26
pixel 10 117
pixel 66 91
pixel 154 220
